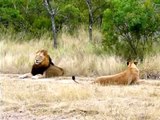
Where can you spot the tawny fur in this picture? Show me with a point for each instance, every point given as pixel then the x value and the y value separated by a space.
pixel 127 77
pixel 43 67
pixel 54 70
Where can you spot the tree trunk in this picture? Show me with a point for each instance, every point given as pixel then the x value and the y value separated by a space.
pixel 52 14
pixel 89 4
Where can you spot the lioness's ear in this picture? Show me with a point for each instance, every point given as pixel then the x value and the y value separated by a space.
pixel 135 63
pixel 127 63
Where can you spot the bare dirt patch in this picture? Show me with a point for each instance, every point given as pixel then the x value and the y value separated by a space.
pixel 61 98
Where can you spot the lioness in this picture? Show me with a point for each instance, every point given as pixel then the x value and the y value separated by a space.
pixel 43 67
pixel 127 77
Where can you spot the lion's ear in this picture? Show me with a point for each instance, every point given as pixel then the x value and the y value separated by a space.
pixel 127 63
pixel 135 63
pixel 42 51
pixel 45 52
pixel 50 61
pixel 38 51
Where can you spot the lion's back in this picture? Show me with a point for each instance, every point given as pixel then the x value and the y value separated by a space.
pixel 54 71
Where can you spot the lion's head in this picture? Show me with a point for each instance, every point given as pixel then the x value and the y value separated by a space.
pixel 42 58
pixel 41 63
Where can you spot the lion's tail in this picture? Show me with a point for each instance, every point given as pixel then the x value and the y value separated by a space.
pixel 74 79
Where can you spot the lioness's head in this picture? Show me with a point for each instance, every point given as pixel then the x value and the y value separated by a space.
pixel 132 67
pixel 131 63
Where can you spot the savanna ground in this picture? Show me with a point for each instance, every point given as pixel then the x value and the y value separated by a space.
pixel 61 98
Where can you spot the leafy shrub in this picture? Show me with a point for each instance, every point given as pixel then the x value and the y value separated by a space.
pixel 130 27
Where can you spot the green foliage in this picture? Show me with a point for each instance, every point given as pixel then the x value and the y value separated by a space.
pixel 41 23
pixel 24 15
pixel 32 17
pixel 69 16
pixel 130 27
pixel 10 16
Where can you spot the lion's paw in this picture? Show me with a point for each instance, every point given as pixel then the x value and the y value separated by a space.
pixel 37 76
pixel 22 76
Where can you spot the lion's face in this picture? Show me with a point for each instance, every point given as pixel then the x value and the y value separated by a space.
pixel 41 57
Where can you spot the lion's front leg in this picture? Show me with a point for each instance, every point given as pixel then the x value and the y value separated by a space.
pixel 38 76
pixel 27 75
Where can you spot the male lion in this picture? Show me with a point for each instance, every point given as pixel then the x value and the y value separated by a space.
pixel 43 67
pixel 127 77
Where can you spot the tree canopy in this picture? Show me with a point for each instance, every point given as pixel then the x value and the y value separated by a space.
pixel 130 27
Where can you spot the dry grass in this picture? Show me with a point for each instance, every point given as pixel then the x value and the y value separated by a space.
pixel 63 99
pixel 55 99
pixel 75 54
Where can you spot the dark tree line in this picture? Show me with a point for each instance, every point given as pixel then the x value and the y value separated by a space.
pixel 37 16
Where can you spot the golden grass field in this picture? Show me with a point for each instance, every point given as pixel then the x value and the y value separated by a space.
pixel 61 98
pixel 75 54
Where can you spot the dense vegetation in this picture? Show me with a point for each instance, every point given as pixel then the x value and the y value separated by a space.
pixel 128 26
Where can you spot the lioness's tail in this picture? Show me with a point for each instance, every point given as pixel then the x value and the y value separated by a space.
pixel 74 79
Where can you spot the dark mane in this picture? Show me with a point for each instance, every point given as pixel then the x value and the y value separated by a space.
pixel 50 61
pixel 37 69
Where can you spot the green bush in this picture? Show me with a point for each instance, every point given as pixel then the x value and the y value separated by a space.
pixel 130 27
